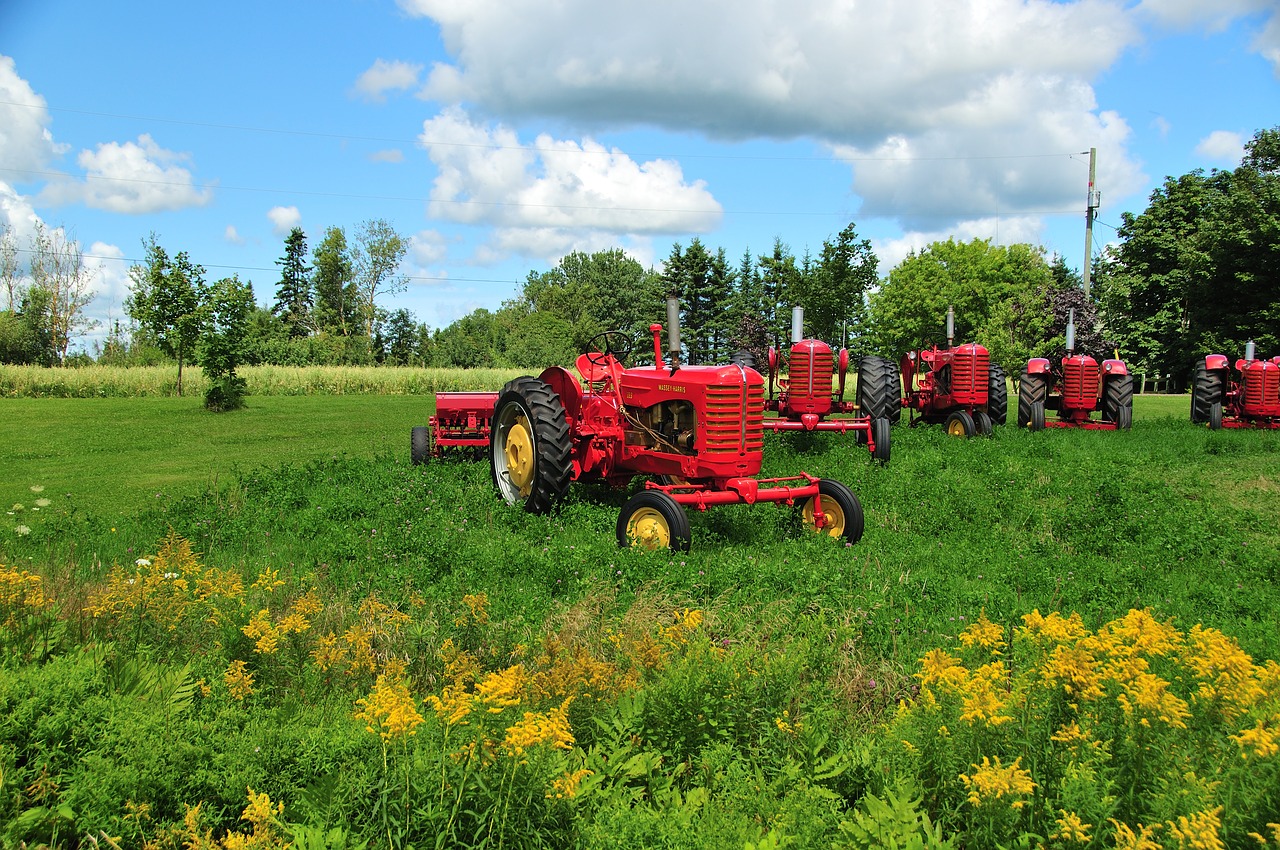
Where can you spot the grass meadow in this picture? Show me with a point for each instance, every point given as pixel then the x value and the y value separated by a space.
pixel 1065 638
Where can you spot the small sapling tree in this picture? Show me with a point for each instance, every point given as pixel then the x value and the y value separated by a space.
pixel 227 312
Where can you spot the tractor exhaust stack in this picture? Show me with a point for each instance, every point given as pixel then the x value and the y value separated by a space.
pixel 1250 351
pixel 951 327
pixel 797 324
pixel 1071 331
pixel 673 331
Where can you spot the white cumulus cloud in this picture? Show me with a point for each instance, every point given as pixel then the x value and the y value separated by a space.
pixel 132 178
pixel 1223 147
pixel 383 77
pixel 232 235
pixel 283 219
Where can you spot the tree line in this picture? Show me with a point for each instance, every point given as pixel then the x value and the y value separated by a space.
pixel 1197 271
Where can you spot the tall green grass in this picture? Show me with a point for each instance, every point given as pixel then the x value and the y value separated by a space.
pixel 159 381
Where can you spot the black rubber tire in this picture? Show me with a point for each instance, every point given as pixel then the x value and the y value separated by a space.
pixel 1117 396
pixel 1031 389
pixel 879 394
pixel 1215 416
pixel 420 444
pixel 880 429
pixel 550 469
pixel 743 358
pixel 1035 418
pixel 982 423
pixel 959 424
pixel 831 491
pixel 655 514
pixel 997 395
pixel 1206 388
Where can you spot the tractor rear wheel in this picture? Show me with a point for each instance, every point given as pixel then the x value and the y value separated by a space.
pixel 1215 416
pixel 880 429
pixel 1206 388
pixel 982 423
pixel 529 446
pixel 997 395
pixel 840 508
pixel 1117 400
pixel 878 394
pixel 959 424
pixel 420 444
pixel 652 520
pixel 1032 389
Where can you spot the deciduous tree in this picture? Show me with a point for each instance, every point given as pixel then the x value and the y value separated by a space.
pixel 166 300
pixel 375 260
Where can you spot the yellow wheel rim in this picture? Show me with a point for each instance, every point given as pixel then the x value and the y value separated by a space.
pixel 518 452
pixel 830 510
pixel 648 529
pixel 956 427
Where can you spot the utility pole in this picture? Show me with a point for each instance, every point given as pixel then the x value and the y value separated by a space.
pixel 1091 205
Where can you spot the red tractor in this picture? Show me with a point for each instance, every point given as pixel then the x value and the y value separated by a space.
pixel 956 386
pixel 1253 401
pixel 1075 390
pixel 805 399
pixel 696 431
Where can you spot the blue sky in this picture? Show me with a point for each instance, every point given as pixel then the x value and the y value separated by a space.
pixel 502 134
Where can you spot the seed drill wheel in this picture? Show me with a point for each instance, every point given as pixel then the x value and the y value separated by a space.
pixel 982 423
pixel 1206 388
pixel 420 444
pixel 529 446
pixel 1117 401
pixel 1032 389
pixel 841 508
pixel 997 395
pixel 879 394
pixel 880 436
pixel 653 520
pixel 959 424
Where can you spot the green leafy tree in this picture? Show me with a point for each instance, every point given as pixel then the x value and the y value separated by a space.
pixel 293 295
pixel 9 278
pixel 541 339
pixel 26 337
pixel 780 278
pixel 222 342
pixel 401 335
pixel 57 269
pixel 834 296
pixel 1199 270
pixel 997 292
pixel 375 259
pixel 166 299
pixel 333 277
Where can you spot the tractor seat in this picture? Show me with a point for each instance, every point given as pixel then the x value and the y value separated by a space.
pixel 593 373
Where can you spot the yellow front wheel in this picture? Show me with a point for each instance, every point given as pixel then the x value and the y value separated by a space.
pixel 841 511
pixel 653 520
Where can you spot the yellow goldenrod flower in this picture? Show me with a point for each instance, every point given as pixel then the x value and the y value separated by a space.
pixel 478 606
pixel 1199 832
pixel 1259 741
pixel 1071 828
pixel 1074 669
pixel 1127 839
pixel 268 580
pixel 238 680
pixel 985 695
pixel 1262 839
pixel 309 604
pixel 390 710
pixel 453 705
pixel 942 668
pixel 566 786
pixel 1227 674
pixel 985 634
pixel 990 782
pixel 502 690
pixel 1148 696
pixel 540 728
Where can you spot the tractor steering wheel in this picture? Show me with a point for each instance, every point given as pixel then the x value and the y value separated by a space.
pixel 602 346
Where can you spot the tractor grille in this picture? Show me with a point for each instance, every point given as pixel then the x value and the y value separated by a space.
pixel 1262 389
pixel 734 425
pixel 1080 380
pixel 969 368
pixel 809 370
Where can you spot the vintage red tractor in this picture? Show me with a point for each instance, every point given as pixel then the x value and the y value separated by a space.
pixel 1075 390
pixel 805 399
pixel 956 386
pixel 1222 401
pixel 696 431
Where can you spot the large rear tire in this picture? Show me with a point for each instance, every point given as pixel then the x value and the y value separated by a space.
pixel 880 429
pixel 842 510
pixel 653 520
pixel 420 444
pixel 1032 389
pixel 1117 401
pixel 1206 388
pixel 529 446
pixel 879 394
pixel 997 395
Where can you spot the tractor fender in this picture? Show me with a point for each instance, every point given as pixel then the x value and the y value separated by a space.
pixel 844 362
pixel 1114 367
pixel 1215 361
pixel 1038 366
pixel 773 360
pixel 1241 364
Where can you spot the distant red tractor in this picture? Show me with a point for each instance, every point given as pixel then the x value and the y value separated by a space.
pixel 805 400
pixel 697 431
pixel 1222 401
pixel 956 386
pixel 1075 390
